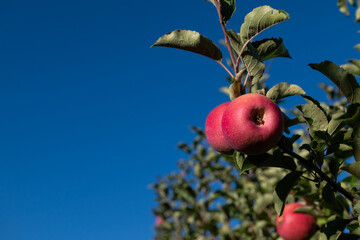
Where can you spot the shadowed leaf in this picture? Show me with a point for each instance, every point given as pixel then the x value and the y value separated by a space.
pixel 271 48
pixel 250 57
pixel 283 189
pixel 344 80
pixel 227 8
pixel 190 41
pixel 267 160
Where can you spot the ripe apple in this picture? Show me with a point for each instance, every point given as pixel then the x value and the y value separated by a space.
pixel 158 221
pixel 213 131
pixel 252 124
pixel 295 226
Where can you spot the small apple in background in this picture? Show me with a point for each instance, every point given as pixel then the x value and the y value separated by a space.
pixel 158 221
pixel 213 131
pixel 295 226
pixel 252 124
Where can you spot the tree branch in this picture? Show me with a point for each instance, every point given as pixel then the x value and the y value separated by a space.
pixel 321 174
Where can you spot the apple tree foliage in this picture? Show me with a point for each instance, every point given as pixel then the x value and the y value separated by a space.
pixel 317 161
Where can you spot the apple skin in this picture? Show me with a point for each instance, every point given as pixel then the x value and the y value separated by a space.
pixel 213 131
pixel 295 226
pixel 252 124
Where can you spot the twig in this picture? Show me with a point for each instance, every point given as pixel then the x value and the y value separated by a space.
pixel 321 174
pixel 227 70
pixel 227 41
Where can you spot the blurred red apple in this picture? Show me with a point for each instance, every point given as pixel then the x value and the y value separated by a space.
pixel 295 226
pixel 158 221
pixel 252 124
pixel 213 131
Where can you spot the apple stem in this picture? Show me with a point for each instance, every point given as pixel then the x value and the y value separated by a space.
pixel 321 174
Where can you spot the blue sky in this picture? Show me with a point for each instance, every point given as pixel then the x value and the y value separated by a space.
pixel 90 114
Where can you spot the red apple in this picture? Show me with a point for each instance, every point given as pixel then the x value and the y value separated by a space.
pixel 252 124
pixel 213 131
pixel 158 221
pixel 295 226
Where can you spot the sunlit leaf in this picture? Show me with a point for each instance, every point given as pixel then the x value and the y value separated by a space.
pixel 190 41
pixel 260 19
pixel 343 7
pixel 314 116
pixel 282 90
pixel 352 69
pixel 353 169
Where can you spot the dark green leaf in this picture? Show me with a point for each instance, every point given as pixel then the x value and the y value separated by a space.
pixel 260 19
pixel 329 197
pixel 345 81
pixel 282 90
pixel 335 226
pixel 227 8
pixel 282 190
pixel 183 146
pixel 356 143
pixel 190 41
pixel 335 123
pixel 267 160
pixel 271 48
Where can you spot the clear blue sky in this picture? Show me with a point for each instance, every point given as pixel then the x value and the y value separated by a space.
pixel 90 115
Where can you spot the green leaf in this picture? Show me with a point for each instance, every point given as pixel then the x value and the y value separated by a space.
pixel 190 41
pixel 283 189
pixel 260 19
pixel 345 81
pixel 282 90
pixel 357 46
pixel 353 169
pixel 307 210
pixel 271 48
pixel 356 143
pixel 314 116
pixel 254 65
pixel 352 69
pixel 329 197
pixel 250 56
pixel 335 123
pixel 357 14
pixel 239 159
pixel 343 7
pixel 227 8
pixel 267 160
